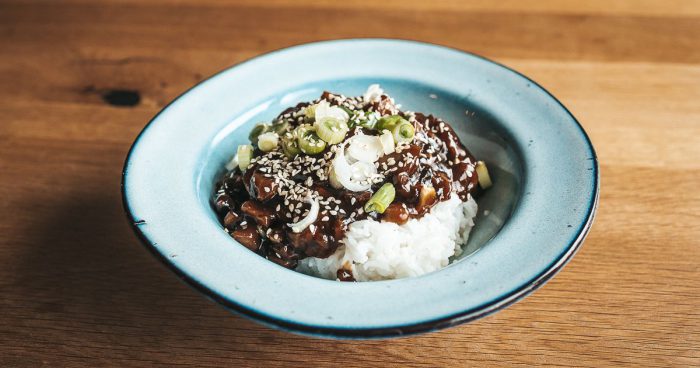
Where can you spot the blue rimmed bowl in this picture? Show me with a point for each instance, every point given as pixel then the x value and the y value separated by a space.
pixel 530 223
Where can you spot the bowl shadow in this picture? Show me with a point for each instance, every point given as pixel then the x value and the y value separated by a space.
pixel 84 276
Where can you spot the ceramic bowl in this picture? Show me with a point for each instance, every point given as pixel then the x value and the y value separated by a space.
pixel 530 223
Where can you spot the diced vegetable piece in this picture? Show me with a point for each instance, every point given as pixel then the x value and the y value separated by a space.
pixel 483 174
pixel 366 148
pixel 308 141
pixel 257 130
pixel 389 122
pixel 310 111
pixel 387 141
pixel 426 197
pixel 333 179
pixel 281 127
pixel 403 132
pixel 290 146
pixel 341 172
pixel 268 141
pixel 381 199
pixel 244 154
pixel 331 130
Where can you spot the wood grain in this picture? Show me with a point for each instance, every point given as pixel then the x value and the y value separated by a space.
pixel 78 290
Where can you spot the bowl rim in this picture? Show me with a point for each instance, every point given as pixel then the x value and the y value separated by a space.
pixel 467 315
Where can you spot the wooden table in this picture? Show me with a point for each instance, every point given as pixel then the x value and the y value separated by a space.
pixel 78 81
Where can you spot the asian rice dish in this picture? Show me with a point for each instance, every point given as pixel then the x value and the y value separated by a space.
pixel 352 189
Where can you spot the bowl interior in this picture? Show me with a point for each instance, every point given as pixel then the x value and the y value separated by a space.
pixel 479 131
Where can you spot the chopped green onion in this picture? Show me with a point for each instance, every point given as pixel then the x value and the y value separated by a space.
pixel 310 111
pixel 381 199
pixel 403 132
pixel 290 147
pixel 331 130
pixel 280 127
pixel 347 110
pixel 483 174
pixel 245 154
pixel 268 141
pixel 389 122
pixel 370 120
pixel 257 130
pixel 366 121
pixel 309 142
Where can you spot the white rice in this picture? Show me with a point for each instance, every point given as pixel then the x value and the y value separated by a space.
pixel 384 250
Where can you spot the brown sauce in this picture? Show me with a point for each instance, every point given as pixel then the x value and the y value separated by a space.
pixel 253 211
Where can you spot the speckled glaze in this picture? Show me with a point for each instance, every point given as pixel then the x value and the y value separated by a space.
pixel 529 225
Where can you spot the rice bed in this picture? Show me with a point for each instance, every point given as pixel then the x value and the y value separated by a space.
pixel 384 250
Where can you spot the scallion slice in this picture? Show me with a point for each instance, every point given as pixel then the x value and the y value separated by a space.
pixel 331 130
pixel 381 199
pixel 244 154
pixel 308 141
pixel 268 141
pixel 389 122
pixel 257 130
pixel 290 146
pixel 403 132
pixel 281 127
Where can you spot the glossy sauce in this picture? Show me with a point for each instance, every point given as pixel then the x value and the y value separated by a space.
pixel 432 168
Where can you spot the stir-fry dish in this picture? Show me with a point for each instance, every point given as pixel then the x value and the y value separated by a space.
pixel 353 189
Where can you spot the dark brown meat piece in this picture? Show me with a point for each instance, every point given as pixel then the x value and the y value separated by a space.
pixel 259 186
pixel 231 220
pixel 361 198
pixel 323 189
pixel 317 241
pixel 275 235
pixel 441 182
pixel 234 188
pixel 345 275
pixel 249 237
pixel 222 204
pixel 462 179
pixel 262 215
pixel 405 186
pixel 283 255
